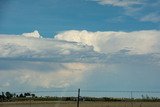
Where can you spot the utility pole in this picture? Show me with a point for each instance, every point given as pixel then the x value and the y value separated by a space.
pixel 78 97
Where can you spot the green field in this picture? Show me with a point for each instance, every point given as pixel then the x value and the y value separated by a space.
pixel 82 104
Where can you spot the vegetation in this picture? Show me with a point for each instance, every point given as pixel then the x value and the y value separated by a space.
pixel 8 97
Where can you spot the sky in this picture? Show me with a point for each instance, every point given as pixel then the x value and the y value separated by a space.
pixel 87 44
pixel 53 16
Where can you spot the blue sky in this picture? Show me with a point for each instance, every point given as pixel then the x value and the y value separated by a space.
pixel 72 42
pixel 52 16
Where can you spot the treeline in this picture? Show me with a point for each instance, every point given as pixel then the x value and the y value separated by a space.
pixel 150 99
pixel 8 96
pixel 11 97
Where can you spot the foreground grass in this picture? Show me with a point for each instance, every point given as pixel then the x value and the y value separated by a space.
pixel 82 104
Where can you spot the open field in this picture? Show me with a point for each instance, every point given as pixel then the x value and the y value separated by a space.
pixel 82 104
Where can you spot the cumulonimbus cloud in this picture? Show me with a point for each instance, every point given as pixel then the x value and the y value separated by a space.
pixel 137 42
pixel 63 61
pixel 31 46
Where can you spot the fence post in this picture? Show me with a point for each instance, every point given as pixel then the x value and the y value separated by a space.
pixel 131 95
pixel 30 102
pixel 78 97
pixel 132 98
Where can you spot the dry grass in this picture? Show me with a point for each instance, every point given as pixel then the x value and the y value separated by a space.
pixel 82 104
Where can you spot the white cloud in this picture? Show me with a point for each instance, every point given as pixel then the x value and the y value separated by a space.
pixel 44 74
pixel 71 57
pixel 121 3
pixel 22 47
pixel 138 42
pixel 41 62
pixel 153 17
pixel 34 34
pixel 64 77
pixel 143 10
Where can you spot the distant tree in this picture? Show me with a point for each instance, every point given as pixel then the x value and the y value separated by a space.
pixel 21 95
pixel 14 95
pixel 8 95
pixel 67 99
pixel 27 94
pixel 3 96
pixel 33 95
pixel 147 97
pixel 143 97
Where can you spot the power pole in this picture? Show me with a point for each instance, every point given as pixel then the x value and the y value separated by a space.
pixel 78 97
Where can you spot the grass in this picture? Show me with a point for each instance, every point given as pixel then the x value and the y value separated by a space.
pixel 82 104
